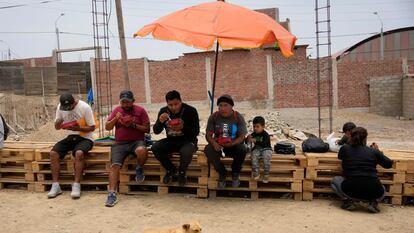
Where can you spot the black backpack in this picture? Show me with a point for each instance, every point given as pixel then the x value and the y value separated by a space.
pixel 314 144
pixel 285 148
pixel 5 127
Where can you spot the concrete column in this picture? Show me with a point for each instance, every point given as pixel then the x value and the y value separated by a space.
pixel 147 81
pixel 270 82
pixel 32 62
pixel 93 81
pixel 208 77
pixel 335 83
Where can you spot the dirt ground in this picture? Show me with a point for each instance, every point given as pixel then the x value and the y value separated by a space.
pixel 32 212
pixel 22 211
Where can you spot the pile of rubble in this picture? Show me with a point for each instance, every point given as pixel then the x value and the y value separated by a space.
pixel 278 128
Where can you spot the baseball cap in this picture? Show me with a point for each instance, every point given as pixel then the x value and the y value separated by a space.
pixel 66 101
pixel 225 98
pixel 126 95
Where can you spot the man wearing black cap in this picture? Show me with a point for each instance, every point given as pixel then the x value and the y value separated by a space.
pixel 225 134
pixel 182 126
pixel 131 123
pixel 76 117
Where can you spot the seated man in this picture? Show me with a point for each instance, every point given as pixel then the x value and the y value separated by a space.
pixel 76 117
pixel 225 134
pixel 182 126
pixel 131 122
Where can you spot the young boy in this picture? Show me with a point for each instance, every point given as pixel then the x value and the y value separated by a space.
pixel 346 129
pixel 261 149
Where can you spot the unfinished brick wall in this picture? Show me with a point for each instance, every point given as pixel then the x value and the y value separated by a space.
pixel 385 95
pixel 136 79
pixel 408 97
pixel 296 83
pixel 35 61
pixel 185 74
pixel 353 80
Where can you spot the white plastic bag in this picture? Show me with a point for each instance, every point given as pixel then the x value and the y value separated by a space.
pixel 331 140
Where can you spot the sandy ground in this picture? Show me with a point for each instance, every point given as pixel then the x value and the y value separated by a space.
pixel 32 212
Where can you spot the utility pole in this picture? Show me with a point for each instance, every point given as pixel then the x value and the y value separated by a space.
pixel 57 37
pixel 122 43
pixel 382 36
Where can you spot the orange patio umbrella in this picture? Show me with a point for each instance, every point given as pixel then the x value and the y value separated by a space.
pixel 231 26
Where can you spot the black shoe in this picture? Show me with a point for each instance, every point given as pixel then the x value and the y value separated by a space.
pixel 348 205
pixel 222 181
pixel 168 176
pixel 373 207
pixel 182 178
pixel 235 180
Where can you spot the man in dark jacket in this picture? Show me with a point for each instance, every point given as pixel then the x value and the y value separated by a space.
pixel 182 127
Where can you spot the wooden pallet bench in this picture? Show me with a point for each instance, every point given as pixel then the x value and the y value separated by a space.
pixel 322 167
pixel 95 173
pixel 197 175
pixel 286 175
pixel 15 165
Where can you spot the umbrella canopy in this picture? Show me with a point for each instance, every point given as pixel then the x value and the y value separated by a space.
pixel 231 25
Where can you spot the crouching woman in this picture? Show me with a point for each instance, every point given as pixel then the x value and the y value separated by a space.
pixel 360 181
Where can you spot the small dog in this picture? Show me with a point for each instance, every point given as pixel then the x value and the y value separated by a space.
pixel 192 227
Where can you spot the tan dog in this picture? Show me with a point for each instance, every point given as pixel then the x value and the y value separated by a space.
pixel 192 227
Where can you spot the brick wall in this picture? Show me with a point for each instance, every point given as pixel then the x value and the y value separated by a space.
pixel 136 79
pixel 296 83
pixel 408 97
pixel 185 74
pixel 385 95
pixel 38 61
pixel 353 80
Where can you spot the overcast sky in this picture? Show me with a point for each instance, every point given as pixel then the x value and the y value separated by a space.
pixel 29 29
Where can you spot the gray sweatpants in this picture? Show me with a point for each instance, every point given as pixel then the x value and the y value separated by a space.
pixel 261 154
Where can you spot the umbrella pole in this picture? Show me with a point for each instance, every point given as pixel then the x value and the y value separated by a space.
pixel 214 78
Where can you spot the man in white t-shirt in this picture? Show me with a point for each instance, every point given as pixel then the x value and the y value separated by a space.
pixel 76 117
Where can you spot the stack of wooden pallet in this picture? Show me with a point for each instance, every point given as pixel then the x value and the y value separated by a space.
pixel 95 173
pixel 286 176
pixel 197 175
pixel 405 164
pixel 16 164
pixel 322 167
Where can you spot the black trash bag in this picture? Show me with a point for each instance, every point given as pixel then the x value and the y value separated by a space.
pixel 285 148
pixel 314 144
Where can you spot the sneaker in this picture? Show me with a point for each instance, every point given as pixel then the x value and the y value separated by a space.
pixel 111 200
pixel 168 176
pixel 76 191
pixel 373 207
pixel 222 181
pixel 139 174
pixel 255 176
pixel 54 191
pixel 266 178
pixel 235 180
pixel 348 205
pixel 182 178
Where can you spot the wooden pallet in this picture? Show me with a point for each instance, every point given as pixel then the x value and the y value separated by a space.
pixel 15 167
pixel 322 186
pixel 98 153
pixel 197 174
pixel 286 175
